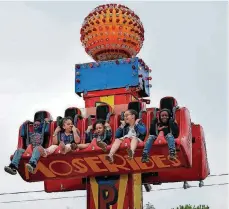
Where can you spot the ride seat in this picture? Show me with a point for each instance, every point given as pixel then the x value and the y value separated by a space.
pixel 102 112
pixel 169 103
pixel 71 112
pixel 42 115
pixel 22 137
pixel 76 115
pixel 47 135
pixel 85 125
pixel 117 123
pixel 135 105
pixel 27 127
pixel 138 107
pixel 161 138
pixel 151 114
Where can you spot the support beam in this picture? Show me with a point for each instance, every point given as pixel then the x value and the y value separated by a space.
pixel 115 192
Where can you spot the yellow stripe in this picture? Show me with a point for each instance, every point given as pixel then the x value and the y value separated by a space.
pixel 137 191
pixel 133 98
pixel 95 191
pixel 110 205
pixel 122 191
pixel 108 99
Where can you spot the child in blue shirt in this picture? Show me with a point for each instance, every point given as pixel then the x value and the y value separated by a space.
pixel 69 135
pixel 36 140
pixel 131 128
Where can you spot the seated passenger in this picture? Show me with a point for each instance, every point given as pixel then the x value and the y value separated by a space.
pixel 69 135
pixel 36 140
pixel 170 129
pixel 102 134
pixel 131 128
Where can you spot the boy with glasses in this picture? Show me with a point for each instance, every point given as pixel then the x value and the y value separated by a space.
pixel 131 128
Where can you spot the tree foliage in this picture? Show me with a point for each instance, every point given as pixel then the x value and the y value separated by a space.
pixel 149 206
pixel 192 207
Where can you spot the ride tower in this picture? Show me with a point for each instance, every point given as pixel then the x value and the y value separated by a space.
pixel 112 35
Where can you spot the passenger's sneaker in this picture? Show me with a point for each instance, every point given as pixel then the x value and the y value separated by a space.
pixel 102 145
pixel 145 157
pixel 74 146
pixel 62 148
pixel 11 169
pixel 30 167
pixel 172 155
pixel 110 158
pixel 130 153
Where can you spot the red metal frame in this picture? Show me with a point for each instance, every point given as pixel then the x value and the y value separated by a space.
pixel 198 171
pixel 66 173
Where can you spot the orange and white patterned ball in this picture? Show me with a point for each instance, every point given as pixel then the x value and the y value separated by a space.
pixel 112 31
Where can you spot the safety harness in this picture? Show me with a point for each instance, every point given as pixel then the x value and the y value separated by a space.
pixel 90 123
pixel 172 115
pixel 25 129
pixel 59 122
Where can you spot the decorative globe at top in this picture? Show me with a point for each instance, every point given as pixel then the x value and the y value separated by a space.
pixel 112 31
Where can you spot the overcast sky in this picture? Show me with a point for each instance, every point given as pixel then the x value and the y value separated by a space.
pixel 185 45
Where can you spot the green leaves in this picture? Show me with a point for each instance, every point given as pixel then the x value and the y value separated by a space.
pixel 150 206
pixel 192 207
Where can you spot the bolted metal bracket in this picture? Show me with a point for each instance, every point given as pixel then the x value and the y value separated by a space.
pixel 186 185
pixel 148 187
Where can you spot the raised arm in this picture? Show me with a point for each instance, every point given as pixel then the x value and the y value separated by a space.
pixel 28 141
pixel 47 126
pixel 153 127
pixel 108 134
pixel 55 139
pixel 140 127
pixel 174 128
pixel 119 131
pixel 88 133
pixel 76 135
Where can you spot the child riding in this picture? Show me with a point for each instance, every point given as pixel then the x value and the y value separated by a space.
pixel 69 136
pixel 131 128
pixel 36 140
pixel 102 133
pixel 170 130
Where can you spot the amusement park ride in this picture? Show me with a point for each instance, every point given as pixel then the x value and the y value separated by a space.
pixel 112 35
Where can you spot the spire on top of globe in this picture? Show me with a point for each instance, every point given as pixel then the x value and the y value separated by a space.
pixel 112 31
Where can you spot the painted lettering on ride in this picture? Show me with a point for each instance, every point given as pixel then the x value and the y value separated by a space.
pixel 91 166
pixel 108 195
